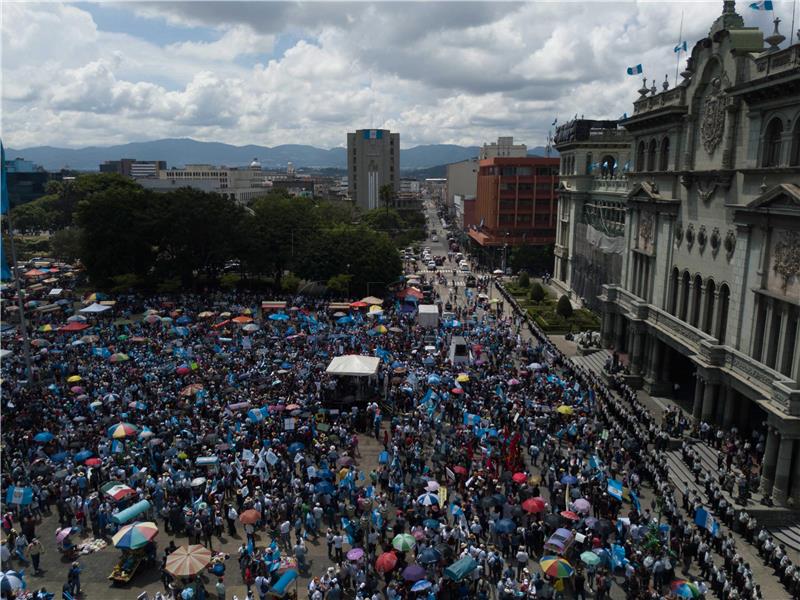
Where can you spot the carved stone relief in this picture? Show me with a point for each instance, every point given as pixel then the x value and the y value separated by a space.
pixel 787 256
pixel 712 125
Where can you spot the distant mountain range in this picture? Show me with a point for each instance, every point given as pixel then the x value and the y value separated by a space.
pixel 180 152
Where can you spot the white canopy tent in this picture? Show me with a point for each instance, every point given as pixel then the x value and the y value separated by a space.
pixel 354 365
pixel 95 309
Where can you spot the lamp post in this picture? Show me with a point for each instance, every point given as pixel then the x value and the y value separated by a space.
pixel 348 281
pixel 505 252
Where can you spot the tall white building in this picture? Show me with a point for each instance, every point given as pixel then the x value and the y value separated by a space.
pixel 503 147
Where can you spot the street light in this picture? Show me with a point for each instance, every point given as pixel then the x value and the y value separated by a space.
pixel 505 251
pixel 348 281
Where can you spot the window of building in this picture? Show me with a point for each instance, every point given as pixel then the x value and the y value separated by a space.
pixel 663 160
pixel 640 157
pixel 589 162
pixel 794 159
pixel 772 144
pixel 608 166
pixel 524 171
pixel 651 155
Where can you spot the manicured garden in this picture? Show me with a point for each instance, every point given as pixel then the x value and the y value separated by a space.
pixel 553 315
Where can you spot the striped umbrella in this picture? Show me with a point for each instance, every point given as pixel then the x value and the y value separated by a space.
pixel 555 566
pixel 428 499
pixel 10 581
pixel 117 490
pixel 122 430
pixel 684 589
pixel 135 535
pixel 187 561
pixel 404 542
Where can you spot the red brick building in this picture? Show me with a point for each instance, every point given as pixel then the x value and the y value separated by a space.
pixel 517 201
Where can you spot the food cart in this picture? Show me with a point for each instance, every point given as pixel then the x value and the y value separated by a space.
pixel 136 542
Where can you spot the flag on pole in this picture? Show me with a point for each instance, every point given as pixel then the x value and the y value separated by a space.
pixel 636 70
pixel 703 519
pixel 681 47
pixel 615 489
pixel 554 122
pixel 762 5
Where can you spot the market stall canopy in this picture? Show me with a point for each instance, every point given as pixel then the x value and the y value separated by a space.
pixel 273 305
pixel 95 308
pixel 334 306
pixel 55 291
pixel 354 365
pixel 131 512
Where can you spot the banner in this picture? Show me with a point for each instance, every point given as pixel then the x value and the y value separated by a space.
pixel 19 495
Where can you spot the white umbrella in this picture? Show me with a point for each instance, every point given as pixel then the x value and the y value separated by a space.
pixel 198 481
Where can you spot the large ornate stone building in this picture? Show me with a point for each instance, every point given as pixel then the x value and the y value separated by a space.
pixel 707 302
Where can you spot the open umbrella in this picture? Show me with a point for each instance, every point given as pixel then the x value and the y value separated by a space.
pixel 119 357
pixel 386 562
pixel 73 379
pixel 413 573
pixel 428 499
pixel 581 506
pixel 568 514
pixel 135 535
pixel 93 462
pixel 429 556
pixel 555 566
pixel 250 516
pixel 187 561
pixel 122 430
pixel 421 585
pixel 355 554
pixel 10 581
pixel 684 589
pixel 565 409
pixel 590 558
pixel 569 480
pixel 519 477
pixel 404 542
pixel 83 455
pixel 117 490
pixel 533 505
pixel 43 437
pixel 505 526
pixel 432 486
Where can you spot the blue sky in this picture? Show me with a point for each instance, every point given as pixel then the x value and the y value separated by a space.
pixel 271 73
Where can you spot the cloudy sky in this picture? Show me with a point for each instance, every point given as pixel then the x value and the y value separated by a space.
pixel 269 73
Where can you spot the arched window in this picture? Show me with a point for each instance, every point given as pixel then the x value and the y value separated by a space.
pixel 640 157
pixel 608 166
pixel 724 301
pixel 684 310
pixel 663 161
pixel 794 159
pixel 772 144
pixel 651 155
pixel 708 322
pixel 673 302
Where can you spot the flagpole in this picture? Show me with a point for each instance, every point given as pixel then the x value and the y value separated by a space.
pixel 678 58
pixel 26 345
pixel 791 33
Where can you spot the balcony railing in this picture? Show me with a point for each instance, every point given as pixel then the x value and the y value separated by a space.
pixel 673 97
pixel 614 185
pixel 776 62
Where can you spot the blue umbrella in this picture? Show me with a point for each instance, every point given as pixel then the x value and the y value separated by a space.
pixel 324 487
pixel 59 457
pixel 279 317
pixel 182 331
pixel 83 455
pixel 346 320
pixel 569 480
pixel 432 524
pixel 286 365
pixel 325 474
pixel 434 379
pixel 421 585
pixel 296 447
pixel 183 320
pixel 429 556
pixel 383 457
pixel 428 360
pixel 428 499
pixel 505 526
pixel 43 437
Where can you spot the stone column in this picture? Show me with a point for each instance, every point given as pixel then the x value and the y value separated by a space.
pixel 769 462
pixel 619 324
pixel 796 369
pixel 716 316
pixel 654 370
pixel 782 352
pixel 636 354
pixel 794 483
pixel 701 320
pixel 766 340
pixel 690 303
pixel 729 414
pixel 697 405
pixel 679 308
pixel 709 393
pixel 780 490
pixel 608 327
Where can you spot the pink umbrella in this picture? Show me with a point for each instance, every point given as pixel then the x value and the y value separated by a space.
pixel 62 534
pixel 355 554
pixel 76 389
pixel 513 381
pixel 581 505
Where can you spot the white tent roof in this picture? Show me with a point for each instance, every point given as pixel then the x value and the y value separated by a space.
pixel 95 308
pixel 355 365
pixel 4 353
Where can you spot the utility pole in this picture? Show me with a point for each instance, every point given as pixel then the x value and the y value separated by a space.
pixel 23 324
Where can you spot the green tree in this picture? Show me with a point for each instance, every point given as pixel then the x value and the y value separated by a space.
pixel 65 244
pixel 289 283
pixel 564 307
pixel 523 280
pixel 386 194
pixel 533 259
pixel 537 292
pixel 339 284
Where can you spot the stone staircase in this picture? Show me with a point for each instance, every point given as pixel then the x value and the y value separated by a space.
pixel 593 362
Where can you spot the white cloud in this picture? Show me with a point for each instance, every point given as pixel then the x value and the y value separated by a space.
pixel 436 72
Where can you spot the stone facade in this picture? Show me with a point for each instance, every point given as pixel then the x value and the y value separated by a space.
pixel 707 306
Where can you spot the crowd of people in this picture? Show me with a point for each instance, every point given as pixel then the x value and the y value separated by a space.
pixel 514 475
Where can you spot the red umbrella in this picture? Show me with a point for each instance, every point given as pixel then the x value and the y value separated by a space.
pixel 358 304
pixel 460 470
pixel 568 514
pixel 386 562
pixel 533 505
pixel 457 391
pixel 519 477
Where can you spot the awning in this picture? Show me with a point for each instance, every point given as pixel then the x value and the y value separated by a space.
pixel 354 365
pixel 95 308
pixel 334 306
pixel 273 305
pixel 131 512
pixel 55 291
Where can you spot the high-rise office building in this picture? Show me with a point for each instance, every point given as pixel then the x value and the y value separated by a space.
pixel 373 160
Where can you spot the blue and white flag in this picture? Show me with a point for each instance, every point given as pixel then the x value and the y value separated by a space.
pixel 635 501
pixel 681 47
pixel 703 519
pixel 762 5
pixel 615 489
pixel 554 122
pixel 19 495
pixel 470 419
pixel 637 70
